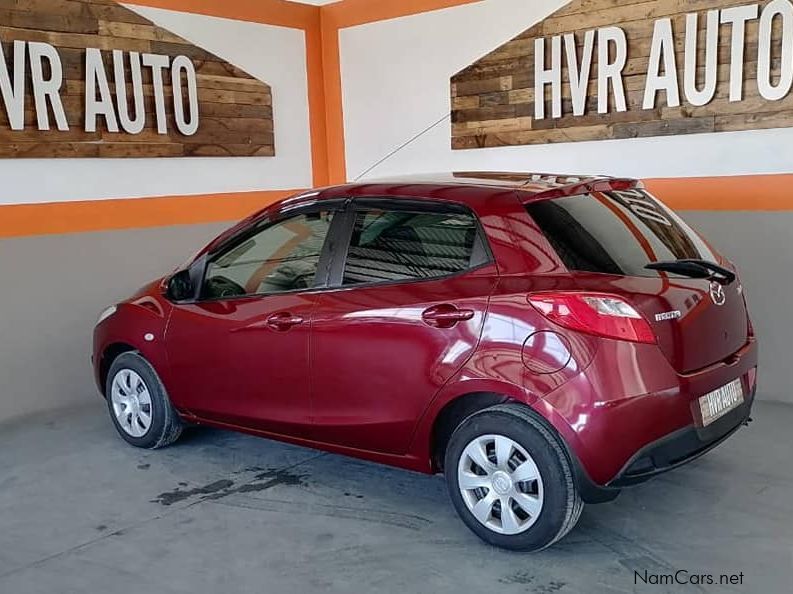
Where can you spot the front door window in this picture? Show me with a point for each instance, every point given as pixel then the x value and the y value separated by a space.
pixel 284 257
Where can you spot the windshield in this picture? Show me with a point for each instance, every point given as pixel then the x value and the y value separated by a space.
pixel 617 232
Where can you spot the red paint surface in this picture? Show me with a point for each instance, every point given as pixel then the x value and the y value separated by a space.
pixel 365 371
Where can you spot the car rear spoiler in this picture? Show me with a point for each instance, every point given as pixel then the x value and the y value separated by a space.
pixel 586 186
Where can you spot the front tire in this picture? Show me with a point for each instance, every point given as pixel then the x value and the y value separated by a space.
pixel 510 479
pixel 138 404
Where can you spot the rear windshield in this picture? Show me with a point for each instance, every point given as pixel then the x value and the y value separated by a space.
pixel 616 232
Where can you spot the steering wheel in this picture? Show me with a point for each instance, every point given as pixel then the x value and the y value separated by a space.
pixel 220 287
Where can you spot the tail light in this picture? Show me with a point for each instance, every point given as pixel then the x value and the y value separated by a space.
pixel 600 314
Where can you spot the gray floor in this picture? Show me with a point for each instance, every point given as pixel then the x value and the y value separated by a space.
pixel 82 512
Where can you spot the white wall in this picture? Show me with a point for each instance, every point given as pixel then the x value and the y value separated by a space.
pixel 395 80
pixel 276 55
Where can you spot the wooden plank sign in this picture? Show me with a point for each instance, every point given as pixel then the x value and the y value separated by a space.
pixel 91 78
pixel 608 69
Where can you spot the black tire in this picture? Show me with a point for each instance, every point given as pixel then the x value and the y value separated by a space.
pixel 166 426
pixel 562 504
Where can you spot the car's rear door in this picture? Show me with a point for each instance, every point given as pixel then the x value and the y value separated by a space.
pixel 239 355
pixel 407 313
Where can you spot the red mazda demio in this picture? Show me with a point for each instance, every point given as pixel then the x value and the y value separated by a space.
pixel 542 340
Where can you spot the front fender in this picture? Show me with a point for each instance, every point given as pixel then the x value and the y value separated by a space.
pixel 139 325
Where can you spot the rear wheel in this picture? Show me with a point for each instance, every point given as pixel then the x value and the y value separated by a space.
pixel 139 405
pixel 510 479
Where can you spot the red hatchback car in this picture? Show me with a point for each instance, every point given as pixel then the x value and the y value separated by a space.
pixel 542 340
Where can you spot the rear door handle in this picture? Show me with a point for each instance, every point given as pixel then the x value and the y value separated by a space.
pixel 284 321
pixel 446 316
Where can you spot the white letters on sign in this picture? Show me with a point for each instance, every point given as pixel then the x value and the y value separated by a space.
pixel 551 76
pixel 737 17
pixel 701 58
pixel 704 95
pixel 157 65
pixel 774 92
pixel 662 55
pixel 47 90
pixel 96 81
pixel 181 65
pixel 131 124
pixel 611 70
pixel 13 88
pixel 579 73
pixel 46 76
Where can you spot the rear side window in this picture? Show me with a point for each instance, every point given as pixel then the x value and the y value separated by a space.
pixel 389 246
pixel 616 232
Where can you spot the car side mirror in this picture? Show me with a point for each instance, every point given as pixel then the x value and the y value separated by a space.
pixel 180 286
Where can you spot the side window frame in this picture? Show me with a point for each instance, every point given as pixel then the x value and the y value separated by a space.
pixel 365 203
pixel 326 257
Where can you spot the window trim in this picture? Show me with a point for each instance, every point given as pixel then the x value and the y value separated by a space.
pixel 364 203
pixel 326 255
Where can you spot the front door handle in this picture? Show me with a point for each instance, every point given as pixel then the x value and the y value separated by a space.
pixel 446 316
pixel 284 321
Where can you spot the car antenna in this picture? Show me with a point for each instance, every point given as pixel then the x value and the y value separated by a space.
pixel 404 145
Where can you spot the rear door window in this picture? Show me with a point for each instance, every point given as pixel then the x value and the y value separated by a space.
pixel 616 232
pixel 395 245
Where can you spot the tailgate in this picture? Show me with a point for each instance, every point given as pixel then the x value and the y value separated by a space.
pixel 608 238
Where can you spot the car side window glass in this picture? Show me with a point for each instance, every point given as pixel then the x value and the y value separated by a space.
pixel 281 258
pixel 389 246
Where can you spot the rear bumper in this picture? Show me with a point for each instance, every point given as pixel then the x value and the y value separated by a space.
pixel 630 416
pixel 681 447
pixel 670 452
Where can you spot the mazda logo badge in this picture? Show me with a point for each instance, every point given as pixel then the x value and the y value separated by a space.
pixel 717 293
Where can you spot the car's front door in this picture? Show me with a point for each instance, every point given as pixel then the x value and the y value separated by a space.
pixel 239 355
pixel 406 315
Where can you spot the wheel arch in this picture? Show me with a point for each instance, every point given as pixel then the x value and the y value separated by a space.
pixel 451 415
pixel 111 352
pixel 461 407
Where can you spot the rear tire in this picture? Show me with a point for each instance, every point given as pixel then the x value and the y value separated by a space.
pixel 138 404
pixel 510 479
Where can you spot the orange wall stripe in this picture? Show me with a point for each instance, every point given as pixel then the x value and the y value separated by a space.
pixel 321 26
pixel 128 213
pixel 334 109
pixel 734 193
pixel 317 105
pixel 769 193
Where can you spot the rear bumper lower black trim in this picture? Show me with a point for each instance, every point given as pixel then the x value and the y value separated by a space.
pixel 671 451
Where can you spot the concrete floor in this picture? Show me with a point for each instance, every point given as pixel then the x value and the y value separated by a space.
pixel 82 512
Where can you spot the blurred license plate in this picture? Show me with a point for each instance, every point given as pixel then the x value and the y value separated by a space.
pixel 718 403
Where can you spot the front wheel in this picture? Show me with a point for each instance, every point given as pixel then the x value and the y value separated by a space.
pixel 510 480
pixel 139 405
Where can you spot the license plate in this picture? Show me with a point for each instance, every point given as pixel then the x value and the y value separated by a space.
pixel 718 403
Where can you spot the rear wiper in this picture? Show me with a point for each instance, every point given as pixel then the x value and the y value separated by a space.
pixel 696 269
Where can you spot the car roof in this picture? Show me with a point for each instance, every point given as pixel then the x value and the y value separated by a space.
pixel 476 185
pixel 532 182
pixel 467 187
